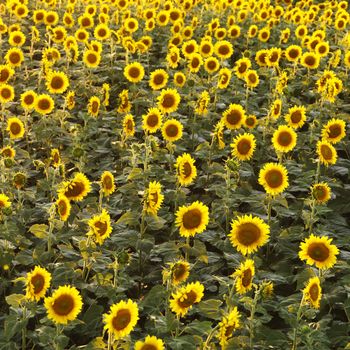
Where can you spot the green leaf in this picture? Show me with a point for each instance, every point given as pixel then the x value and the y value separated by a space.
pixel 39 230
pixel 15 300
pixel 210 308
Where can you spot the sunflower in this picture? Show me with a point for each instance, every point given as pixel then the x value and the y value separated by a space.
pixel 273 57
pixel 234 116
pixel 7 93
pixel 172 130
pixel 6 72
pixel 86 21
pixel 82 35
pixel 57 82
pixel 179 271
pixel 51 18
pixel 179 79
pixel 310 60
pixel 312 293
pixel 94 106
pixel 206 48
pixel 129 125
pixel 121 319
pixel 243 146
pixel 186 297
pixel 102 32
pixel 14 57
pixel 37 283
pixel 186 170
pixel 326 152
pixel 251 78
pixel 242 66
pixel 17 38
pixel 8 152
pixel 125 105
pixel 44 104
pixel 158 79
pixel 346 60
pixel 91 58
pixel 244 276
pixel 223 49
pixel 274 178
pixel 63 207
pixel 154 197
pixel 100 227
pixel 334 130
pixel 202 103
pixel 318 251
pixel 107 183
pixel 134 72
pixel 152 120
pixel 248 233
pixel 192 219
pixel 301 31
pixel 284 139
pixel 321 192
pixel 77 188
pixel 211 65
pixel 168 100
pixel 260 57
pixel 264 34
pixel 150 343
pixel 224 78
pixel 195 62
pixel 276 108
pixel 173 57
pixel 250 121
pixel 15 127
pixel 296 117
pixel 70 100
pixel 322 48
pixel 293 53
pixel 55 157
pixel 4 201
pixel 28 99
pixel 227 326
pixel 64 305
pixel 189 48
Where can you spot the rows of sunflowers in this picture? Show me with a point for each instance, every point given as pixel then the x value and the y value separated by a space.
pixel 174 174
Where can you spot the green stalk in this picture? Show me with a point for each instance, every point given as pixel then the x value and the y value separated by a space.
pixel 251 318
pixel 295 335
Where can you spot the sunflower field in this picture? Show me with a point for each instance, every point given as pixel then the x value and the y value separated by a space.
pixel 174 174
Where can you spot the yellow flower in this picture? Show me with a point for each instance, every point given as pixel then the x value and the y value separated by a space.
pixel 248 233
pixel 168 100
pixel 319 251
pixel 63 207
pixel 260 57
pixel 310 60
pixel 274 178
pixel 228 325
pixel 244 276
pixel 211 65
pixel 121 319
pixel 234 116
pixel 202 103
pixel 57 82
pixel 14 57
pixel 102 32
pixel 273 57
pixel 44 104
pixel 321 192
pixel 251 78
pixel 189 48
pixel 224 78
pixel 206 48
pixel 4 201
pixel 172 130
pixel 195 62
pixel 55 157
pixel 296 117
pixel 312 293
pixel 186 170
pixel 250 121
pixel 91 58
pixel 134 72
pixel 242 66
pixel 334 130
pixel 70 100
pixel 37 283
pixel 179 79
pixel 152 120
pixel 8 152
pixel 192 219
pixel 158 79
pixel 264 34
pixel 64 305
pixel 276 107
pixel 77 188
pixel 293 53
pixel 243 146
pixel 107 183
pixel 15 127
pixel 154 198
pixel 179 271
pixel 100 227
pixel 6 72
pixel 185 297
pixel 284 139
pixel 128 125
pixel 28 99
pixel 326 152
pixel 7 93
pixel 94 106
pixel 17 38
pixel 223 49
pixel 125 105
pixel 173 57
pixel 150 343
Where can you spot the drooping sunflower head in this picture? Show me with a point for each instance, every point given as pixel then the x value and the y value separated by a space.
pixel 313 292
pixel 244 276
pixel 319 251
pixel 172 130
pixel 64 305
pixel 37 283
pixel 192 219
pixel 8 152
pixel 321 192
pixel 154 197
pixel 107 183
pixel 186 170
pixel 150 343
pixel 248 233
pixel 44 104
pixel 186 297
pixel 234 116
pixel 63 207
pixel 121 319
pixel 334 130
pixel 326 152
pixel 243 146
pixel 228 325
pixel 152 121
pixel 274 178
pixel 168 100
pixel 55 157
pixel 100 227
pixel 284 139
pixel 77 188
pixel 15 127
pixel 134 72
pixel 296 116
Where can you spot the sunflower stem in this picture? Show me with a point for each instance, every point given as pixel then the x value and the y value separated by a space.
pixel 142 231
pixel 299 315
pixel 24 330
pixel 187 253
pixel 209 338
pixel 251 318
pixel 52 212
pixel 110 341
pixel 100 200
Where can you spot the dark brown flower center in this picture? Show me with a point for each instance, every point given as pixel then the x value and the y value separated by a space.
pixel 75 189
pixel 5 93
pixel 320 192
pixel 107 182
pixel 318 251
pixel 334 131
pixel 62 208
pixel 38 282
pixel 134 72
pixel 274 178
pixel 172 130
pixel 248 233
pixel 63 305
pixel 228 332
pixel 192 219
pixel 326 152
pixel 28 99
pixel 242 67
pixel 195 62
pixel 121 320
pixel 243 147
pixel 44 104
pixel 189 299
pixel 101 227
pixel 310 61
pixel 234 117
pixel 247 278
pixel 57 83
pixel 152 120
pixel 284 138
pixel 314 292
pixel 15 128
pixel 223 50
pixel 158 79
pixel 179 271
pixel 186 169
pixel 296 117
pixel 148 347
pixel 168 101
pixel 91 58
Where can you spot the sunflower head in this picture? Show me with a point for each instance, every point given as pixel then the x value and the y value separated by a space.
pixel 134 72
pixel 4 201
pixel 321 192
pixel 312 293
pixel 334 131
pixel 63 207
pixel 57 82
pixel 15 127
pixel 234 116
pixel 154 197
pixel 243 146
pixel 100 227
pixel 37 283
pixel 107 183
pixel 179 271
pixel 274 178
pixel 172 130
pixel 326 152
pixel 44 104
pixel 228 325
pixel 168 100
pixel 186 170
pixel 150 343
pixel 296 116
pixel 77 188
pixel 284 139
pixel 7 93
pixel 244 276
